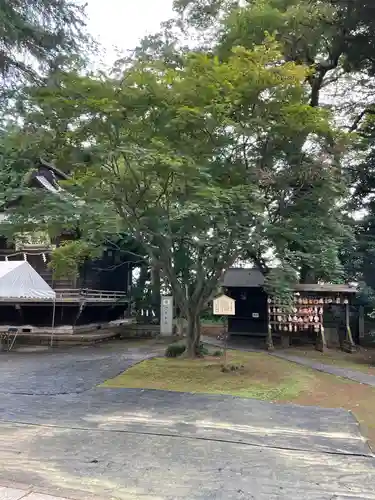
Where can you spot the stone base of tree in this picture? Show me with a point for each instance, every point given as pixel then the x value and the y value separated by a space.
pixel 347 346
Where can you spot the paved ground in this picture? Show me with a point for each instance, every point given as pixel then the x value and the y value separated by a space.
pixel 356 376
pixel 66 371
pixel 8 493
pixel 61 435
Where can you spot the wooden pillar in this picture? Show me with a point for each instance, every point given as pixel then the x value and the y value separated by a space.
pixel 269 341
pixel 349 336
pixel 270 345
pixel 348 344
pixel 321 344
pixel 361 322
pixel 285 341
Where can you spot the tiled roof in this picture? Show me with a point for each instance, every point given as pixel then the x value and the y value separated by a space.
pixel 252 277
pixel 242 277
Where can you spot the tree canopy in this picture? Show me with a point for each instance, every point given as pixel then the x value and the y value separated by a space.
pixel 38 34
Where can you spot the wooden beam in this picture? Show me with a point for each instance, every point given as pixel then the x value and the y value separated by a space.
pixel 270 345
pixel 349 336
pixel 361 322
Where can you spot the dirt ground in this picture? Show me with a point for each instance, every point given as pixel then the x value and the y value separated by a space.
pixel 332 392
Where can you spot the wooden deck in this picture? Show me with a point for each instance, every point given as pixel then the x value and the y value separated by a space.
pixel 89 295
pixel 77 295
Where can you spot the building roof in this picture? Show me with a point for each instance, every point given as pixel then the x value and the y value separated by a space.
pixel 325 287
pixel 46 176
pixel 59 173
pixel 253 277
pixel 243 278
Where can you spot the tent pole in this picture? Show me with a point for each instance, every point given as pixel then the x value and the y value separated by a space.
pixel 53 320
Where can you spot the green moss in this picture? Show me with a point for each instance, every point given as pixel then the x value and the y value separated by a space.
pixel 262 377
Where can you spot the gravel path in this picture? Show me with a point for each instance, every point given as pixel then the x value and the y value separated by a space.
pixel 356 376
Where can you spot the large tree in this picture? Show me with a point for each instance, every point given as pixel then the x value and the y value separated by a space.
pixel 197 163
pixel 315 35
pixel 38 34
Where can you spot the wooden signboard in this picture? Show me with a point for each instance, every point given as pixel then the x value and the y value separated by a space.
pixel 224 306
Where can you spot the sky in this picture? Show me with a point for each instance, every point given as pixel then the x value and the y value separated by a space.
pixel 122 23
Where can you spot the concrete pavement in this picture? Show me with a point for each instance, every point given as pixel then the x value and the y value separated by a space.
pixel 63 436
pixel 68 371
pixel 22 494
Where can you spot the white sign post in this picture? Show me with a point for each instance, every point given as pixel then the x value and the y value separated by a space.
pixel 166 315
pixel 224 306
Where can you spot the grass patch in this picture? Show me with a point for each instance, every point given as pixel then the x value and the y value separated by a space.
pixel 261 377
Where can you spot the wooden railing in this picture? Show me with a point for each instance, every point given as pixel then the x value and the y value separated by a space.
pixel 88 295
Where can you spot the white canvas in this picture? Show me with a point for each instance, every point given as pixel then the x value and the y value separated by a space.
pixel 19 280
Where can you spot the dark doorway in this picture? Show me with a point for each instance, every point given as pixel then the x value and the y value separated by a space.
pixel 251 312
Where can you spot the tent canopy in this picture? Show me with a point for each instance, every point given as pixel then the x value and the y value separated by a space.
pixel 18 280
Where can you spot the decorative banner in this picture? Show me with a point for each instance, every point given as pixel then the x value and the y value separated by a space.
pixel 224 306
pixel 30 240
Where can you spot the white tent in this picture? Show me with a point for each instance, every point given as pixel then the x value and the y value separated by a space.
pixel 18 280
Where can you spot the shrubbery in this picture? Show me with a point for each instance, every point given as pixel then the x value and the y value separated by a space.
pixel 175 350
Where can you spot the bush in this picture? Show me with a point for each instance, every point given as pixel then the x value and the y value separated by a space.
pixel 174 350
pixel 218 354
pixel 203 351
pixel 231 368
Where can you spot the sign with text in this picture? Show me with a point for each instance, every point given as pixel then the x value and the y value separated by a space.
pixel 224 306
pixel 166 315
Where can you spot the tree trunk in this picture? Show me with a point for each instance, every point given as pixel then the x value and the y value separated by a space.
pixel 193 335
pixel 138 291
pixel 269 341
pixel 155 288
pixel 181 326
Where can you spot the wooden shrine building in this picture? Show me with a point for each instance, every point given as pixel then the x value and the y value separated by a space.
pixel 100 294
pixel 319 313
